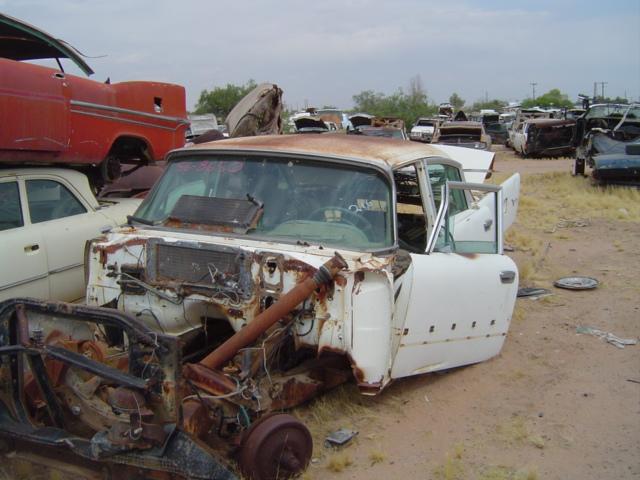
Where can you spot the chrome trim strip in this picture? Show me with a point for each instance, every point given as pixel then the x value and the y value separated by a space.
pixel 128 111
pixel 124 120
pixel 64 269
pixel 22 282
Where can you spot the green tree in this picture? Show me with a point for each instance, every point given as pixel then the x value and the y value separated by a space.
pixel 456 101
pixel 407 106
pixel 494 104
pixel 221 100
pixel 553 98
pixel 619 100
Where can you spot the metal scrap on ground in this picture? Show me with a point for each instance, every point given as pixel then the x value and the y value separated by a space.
pixel 608 337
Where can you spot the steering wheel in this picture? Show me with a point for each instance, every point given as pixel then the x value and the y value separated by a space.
pixel 348 217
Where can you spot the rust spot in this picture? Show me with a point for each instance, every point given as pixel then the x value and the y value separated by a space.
pixel 211 381
pixel 173 223
pixel 471 256
pixel 108 249
pixel 235 313
pixel 293 265
pixel 370 388
pixel 294 392
pixel 340 280
pixel 196 419
pixel 379 150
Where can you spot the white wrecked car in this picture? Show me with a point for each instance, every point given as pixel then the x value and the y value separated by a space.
pixel 419 281
pixel 46 217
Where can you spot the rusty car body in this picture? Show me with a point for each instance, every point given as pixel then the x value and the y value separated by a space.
pixel 463 134
pixel 285 265
pixel 424 129
pixel 52 117
pixel 522 115
pixel 257 113
pixel 545 137
pixel 310 124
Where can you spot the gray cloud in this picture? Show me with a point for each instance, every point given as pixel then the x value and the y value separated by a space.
pixel 325 52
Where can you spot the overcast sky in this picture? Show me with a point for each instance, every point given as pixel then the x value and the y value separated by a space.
pixel 323 52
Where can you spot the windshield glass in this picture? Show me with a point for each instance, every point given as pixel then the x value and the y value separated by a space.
pixel 603 111
pixel 304 201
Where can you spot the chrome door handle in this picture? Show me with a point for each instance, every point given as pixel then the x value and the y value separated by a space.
pixel 507 276
pixel 31 248
pixel 58 75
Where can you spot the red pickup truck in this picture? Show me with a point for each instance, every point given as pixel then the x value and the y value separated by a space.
pixel 51 117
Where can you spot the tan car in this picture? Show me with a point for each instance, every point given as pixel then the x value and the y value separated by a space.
pixel 463 134
pixel 46 217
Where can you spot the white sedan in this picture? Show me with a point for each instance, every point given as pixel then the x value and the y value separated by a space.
pixel 46 217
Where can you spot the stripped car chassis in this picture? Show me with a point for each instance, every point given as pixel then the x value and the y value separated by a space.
pixel 96 388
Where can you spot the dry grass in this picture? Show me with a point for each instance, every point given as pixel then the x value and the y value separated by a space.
pixel 320 415
pixel 551 204
pixel 339 461
pixel 377 456
pixel 516 431
pixel 544 196
pixel 453 467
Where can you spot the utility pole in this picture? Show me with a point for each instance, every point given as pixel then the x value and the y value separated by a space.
pixel 603 84
pixel 533 86
pixel 595 91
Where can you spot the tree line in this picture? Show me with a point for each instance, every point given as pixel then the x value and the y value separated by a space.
pixel 408 104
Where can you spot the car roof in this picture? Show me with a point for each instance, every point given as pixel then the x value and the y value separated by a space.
pixel 382 151
pixel 78 179
pixel 21 41
pixel 549 121
pixel 461 124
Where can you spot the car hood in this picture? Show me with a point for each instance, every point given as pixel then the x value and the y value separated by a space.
pixel 21 41
pixel 310 122
pixel 258 113
pixel 117 209
pixel 423 128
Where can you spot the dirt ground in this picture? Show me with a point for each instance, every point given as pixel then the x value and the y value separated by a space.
pixel 554 404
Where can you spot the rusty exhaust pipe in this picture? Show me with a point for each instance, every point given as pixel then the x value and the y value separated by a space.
pixel 261 323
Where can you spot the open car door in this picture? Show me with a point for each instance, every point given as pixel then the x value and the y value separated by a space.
pixel 463 288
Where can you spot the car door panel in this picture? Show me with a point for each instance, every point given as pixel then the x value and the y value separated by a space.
pixel 463 288
pixel 445 326
pixel 23 255
pixel 65 222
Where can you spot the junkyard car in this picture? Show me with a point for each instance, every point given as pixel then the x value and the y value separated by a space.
pixel 232 225
pixel 621 166
pixel 285 265
pixel 311 124
pixel 523 115
pixel 423 130
pixel 51 117
pixel 544 137
pixel 383 132
pixel 46 217
pixel 463 134
pixel 604 129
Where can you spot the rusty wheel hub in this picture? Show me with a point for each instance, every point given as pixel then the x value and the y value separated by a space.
pixel 276 447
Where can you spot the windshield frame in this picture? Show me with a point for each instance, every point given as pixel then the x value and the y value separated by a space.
pixel 177 155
